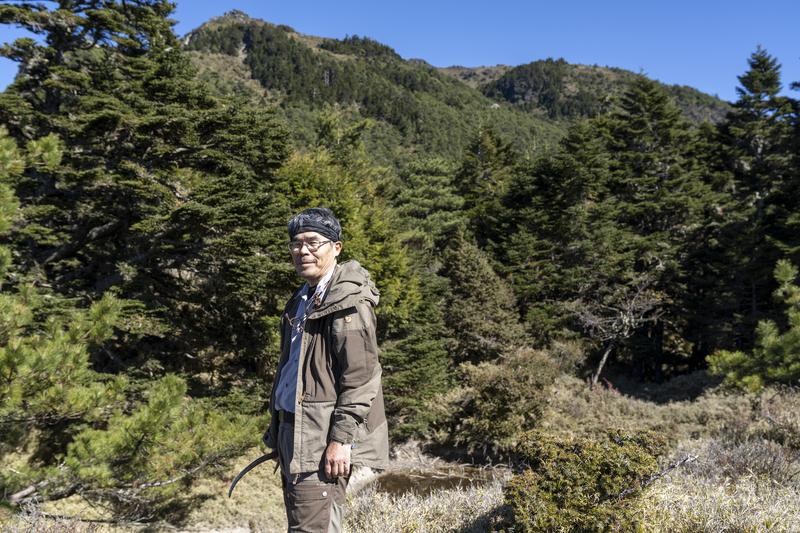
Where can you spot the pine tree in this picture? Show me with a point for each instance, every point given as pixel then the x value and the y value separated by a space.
pixel 481 308
pixel 483 179
pixel 757 137
pixel 710 301
pixel 776 355
pixel 622 201
pixel 658 199
pixel 70 429
pixel 428 214
pixel 662 199
pixel 165 194
pixel 545 214
pixel 416 362
pixel 428 206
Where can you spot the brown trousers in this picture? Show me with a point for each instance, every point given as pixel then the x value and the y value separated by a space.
pixel 314 503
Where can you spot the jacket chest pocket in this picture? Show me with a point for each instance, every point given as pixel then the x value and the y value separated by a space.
pixel 346 320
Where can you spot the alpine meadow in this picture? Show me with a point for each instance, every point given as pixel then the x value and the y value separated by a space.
pixel 589 311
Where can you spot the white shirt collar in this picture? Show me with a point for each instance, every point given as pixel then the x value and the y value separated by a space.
pixel 323 283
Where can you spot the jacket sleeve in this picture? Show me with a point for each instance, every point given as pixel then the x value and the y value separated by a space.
pixel 359 377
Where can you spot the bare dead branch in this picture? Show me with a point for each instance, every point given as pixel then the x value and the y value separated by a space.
pixel 24 494
pixel 658 475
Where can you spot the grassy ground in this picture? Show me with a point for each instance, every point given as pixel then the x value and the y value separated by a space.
pixel 694 502
pixel 472 509
pixel 256 504
pixel 745 475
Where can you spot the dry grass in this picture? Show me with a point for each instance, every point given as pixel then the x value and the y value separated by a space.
pixel 256 505
pixel 472 509
pixel 229 76
pixel 746 477
pixel 574 409
pixel 721 461
pixel 475 76
pixel 738 483
pixel 693 504
pixel 32 518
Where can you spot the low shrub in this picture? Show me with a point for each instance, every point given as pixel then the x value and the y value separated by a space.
pixel 498 402
pixel 720 461
pixel 581 484
pixel 779 408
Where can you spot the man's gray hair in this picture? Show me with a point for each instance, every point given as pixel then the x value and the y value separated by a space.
pixel 319 219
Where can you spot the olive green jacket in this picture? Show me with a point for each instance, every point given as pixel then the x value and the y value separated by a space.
pixel 339 394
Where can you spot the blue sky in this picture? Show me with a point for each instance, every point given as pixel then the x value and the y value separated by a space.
pixel 702 43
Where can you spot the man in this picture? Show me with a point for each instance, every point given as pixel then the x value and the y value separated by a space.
pixel 326 402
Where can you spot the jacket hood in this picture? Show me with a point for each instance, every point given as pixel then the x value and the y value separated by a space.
pixel 350 284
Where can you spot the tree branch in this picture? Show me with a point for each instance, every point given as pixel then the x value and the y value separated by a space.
pixel 93 234
pixel 658 475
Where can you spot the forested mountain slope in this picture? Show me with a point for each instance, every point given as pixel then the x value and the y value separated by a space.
pixel 560 90
pixel 416 107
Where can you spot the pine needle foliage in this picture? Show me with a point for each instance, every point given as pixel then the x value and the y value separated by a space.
pixel 775 358
pixel 134 204
pixel 164 193
pixel 480 300
pixel 761 161
pixel 625 197
pixel 130 447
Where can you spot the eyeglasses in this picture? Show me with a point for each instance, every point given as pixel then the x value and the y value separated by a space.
pixel 313 246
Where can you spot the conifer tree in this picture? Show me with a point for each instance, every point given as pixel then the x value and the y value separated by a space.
pixel 165 194
pixel 71 429
pixel 658 199
pixel 546 215
pixel 757 142
pixel 483 179
pixel 621 201
pixel 481 307
pixel 428 205
pixel 44 362
pixel 775 357
pixel 416 362
pixel 346 184
pixel 428 214
pixel 709 300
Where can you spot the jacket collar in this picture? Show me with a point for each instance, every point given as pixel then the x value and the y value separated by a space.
pixel 349 284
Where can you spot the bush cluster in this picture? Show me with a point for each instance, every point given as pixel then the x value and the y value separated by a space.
pixel 499 401
pixel 581 484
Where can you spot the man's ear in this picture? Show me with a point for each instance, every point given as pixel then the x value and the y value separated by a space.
pixel 337 246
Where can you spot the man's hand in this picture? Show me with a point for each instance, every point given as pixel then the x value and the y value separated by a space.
pixel 337 459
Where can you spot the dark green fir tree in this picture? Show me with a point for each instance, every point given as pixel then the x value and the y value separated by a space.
pixel 756 139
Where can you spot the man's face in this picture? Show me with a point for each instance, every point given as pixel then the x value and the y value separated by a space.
pixel 312 266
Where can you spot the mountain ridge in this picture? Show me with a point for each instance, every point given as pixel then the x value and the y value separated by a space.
pixel 417 107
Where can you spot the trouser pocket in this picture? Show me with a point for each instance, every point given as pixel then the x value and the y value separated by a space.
pixel 308 508
pixel 308 503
